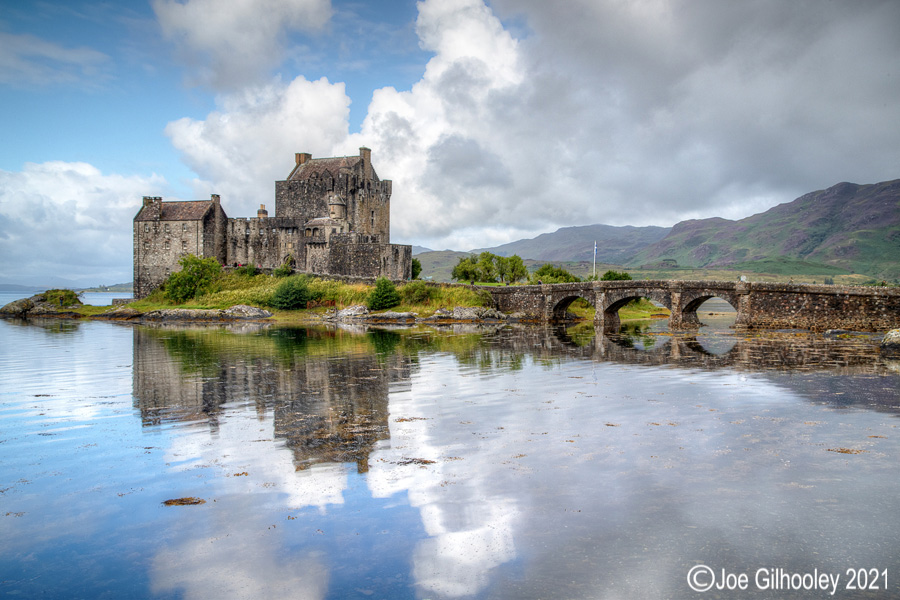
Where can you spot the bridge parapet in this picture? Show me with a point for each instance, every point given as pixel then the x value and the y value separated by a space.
pixel 763 305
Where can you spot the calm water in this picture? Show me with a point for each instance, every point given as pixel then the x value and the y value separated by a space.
pixel 466 463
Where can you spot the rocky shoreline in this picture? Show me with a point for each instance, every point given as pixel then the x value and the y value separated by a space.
pixel 37 306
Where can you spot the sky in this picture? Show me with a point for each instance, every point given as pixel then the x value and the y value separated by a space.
pixel 496 120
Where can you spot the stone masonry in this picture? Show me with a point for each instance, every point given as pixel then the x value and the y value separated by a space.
pixel 332 217
pixel 758 305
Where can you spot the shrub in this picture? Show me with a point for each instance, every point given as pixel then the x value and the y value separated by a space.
pixel 284 270
pixel 196 277
pixel 416 292
pixel 292 293
pixel 247 270
pixel 615 276
pixel 384 295
pixel 416 268
pixel 548 273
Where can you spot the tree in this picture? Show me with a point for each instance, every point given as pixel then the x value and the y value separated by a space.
pixel 194 279
pixel 615 276
pixel 548 273
pixel 512 268
pixel 466 269
pixel 384 295
pixel 416 268
pixel 487 267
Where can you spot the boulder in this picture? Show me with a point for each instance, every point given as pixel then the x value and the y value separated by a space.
pixel 392 316
pixel 17 308
pixel 476 313
pixel 121 313
pixel 242 311
pixel 357 310
pixel 890 343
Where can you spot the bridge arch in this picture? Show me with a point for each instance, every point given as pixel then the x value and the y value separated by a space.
pixel 561 305
pixel 693 299
pixel 607 316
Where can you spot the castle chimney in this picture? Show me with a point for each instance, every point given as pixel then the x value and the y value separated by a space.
pixel 153 206
pixel 215 198
pixel 262 212
pixel 302 157
pixel 366 155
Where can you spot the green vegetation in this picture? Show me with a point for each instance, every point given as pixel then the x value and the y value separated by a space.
pixel 615 276
pixel 490 268
pixel 292 293
pixel 384 295
pixel 416 292
pixel 62 297
pixel 196 277
pixel 247 270
pixel 416 268
pixel 549 273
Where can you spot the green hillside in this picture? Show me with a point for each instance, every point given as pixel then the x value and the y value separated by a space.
pixel 847 228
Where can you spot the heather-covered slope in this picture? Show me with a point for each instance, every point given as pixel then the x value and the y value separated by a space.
pixel 847 226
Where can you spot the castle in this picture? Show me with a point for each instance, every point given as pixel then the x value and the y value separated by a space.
pixel 332 217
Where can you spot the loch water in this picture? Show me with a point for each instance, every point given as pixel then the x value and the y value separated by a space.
pixel 460 462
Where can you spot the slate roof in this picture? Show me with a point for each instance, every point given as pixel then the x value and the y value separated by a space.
pixel 318 167
pixel 192 210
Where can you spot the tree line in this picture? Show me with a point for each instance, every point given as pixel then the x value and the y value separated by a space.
pixel 490 268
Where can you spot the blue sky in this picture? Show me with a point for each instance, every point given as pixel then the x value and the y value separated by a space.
pixel 496 121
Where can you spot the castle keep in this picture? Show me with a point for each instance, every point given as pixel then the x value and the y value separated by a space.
pixel 332 217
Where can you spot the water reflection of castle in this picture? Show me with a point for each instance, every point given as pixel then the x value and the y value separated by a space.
pixel 331 409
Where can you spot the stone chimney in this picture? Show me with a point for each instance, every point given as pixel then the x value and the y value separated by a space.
pixel 366 156
pixel 302 157
pixel 215 198
pixel 262 213
pixel 153 207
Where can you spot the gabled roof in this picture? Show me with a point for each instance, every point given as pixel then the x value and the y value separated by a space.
pixel 318 166
pixel 192 210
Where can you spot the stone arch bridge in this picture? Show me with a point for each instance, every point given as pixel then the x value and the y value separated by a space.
pixel 758 305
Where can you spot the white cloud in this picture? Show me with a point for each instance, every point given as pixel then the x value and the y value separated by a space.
pixel 26 60
pixel 604 112
pixel 232 43
pixel 242 148
pixel 83 217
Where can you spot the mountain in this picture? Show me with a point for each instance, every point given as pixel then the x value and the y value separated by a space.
pixel 615 245
pixel 847 227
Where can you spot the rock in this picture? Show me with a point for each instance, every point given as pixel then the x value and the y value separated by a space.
pixel 890 343
pixel 242 311
pixel 392 316
pixel 121 313
pixel 443 313
pixel 357 310
pixel 476 313
pixel 184 314
pixel 17 308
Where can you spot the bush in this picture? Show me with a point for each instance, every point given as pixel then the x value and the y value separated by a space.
pixel 196 277
pixel 292 294
pixel 384 295
pixel 284 270
pixel 416 268
pixel 247 270
pixel 416 292
pixel 615 276
pixel 548 273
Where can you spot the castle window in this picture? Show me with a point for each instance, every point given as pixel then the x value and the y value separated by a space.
pixel 146 245
pixel 333 230
pixel 183 246
pixel 167 228
pixel 166 245
pixel 184 226
pixel 146 227
pixel 373 218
